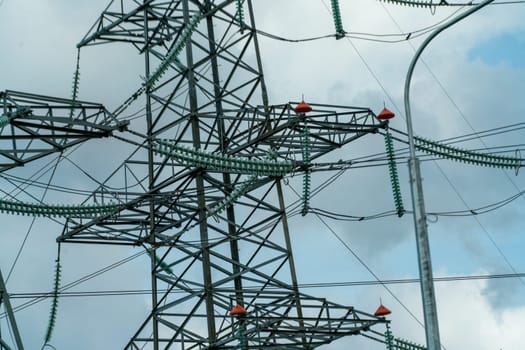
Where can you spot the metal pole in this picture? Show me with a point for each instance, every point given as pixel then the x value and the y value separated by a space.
pixel 418 203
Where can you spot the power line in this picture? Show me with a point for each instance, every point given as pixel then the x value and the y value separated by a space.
pixel 77 282
pixel 381 156
pixel 362 262
pixel 469 212
pixel 21 248
pixel 463 116
pixel 366 283
pixel 374 37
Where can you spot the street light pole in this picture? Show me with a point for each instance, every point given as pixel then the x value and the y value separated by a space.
pixel 418 203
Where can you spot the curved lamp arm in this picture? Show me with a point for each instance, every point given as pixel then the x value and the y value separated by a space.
pixel 408 78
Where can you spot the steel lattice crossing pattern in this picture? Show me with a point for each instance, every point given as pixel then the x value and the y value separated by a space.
pixel 212 155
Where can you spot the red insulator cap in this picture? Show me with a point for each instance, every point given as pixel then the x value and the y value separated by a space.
pixel 385 114
pixel 382 311
pixel 302 107
pixel 238 310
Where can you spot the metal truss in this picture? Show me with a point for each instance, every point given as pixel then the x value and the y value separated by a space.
pixel 34 126
pixel 331 127
pixel 219 236
pixel 5 305
pixel 273 323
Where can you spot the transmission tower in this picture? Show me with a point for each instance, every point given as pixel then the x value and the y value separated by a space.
pixel 213 215
pixel 210 161
pixel 202 191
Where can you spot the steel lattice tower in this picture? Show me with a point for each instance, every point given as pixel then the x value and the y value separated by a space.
pixel 213 153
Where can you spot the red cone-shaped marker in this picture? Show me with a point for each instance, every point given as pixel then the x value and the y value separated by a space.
pixel 382 311
pixel 385 114
pixel 238 310
pixel 302 107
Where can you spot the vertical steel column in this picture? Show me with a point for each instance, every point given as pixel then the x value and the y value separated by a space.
pixel 199 179
pixel 287 239
pixel 264 91
pixel 418 203
pixel 226 178
pixel 291 261
pixel 4 298
pixel 151 179
pixel 282 206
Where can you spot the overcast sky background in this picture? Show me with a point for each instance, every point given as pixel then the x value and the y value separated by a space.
pixel 480 63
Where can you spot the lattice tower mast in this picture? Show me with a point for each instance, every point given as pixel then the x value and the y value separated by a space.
pixel 212 213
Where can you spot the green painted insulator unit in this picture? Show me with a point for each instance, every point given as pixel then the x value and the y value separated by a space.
pixel 76 84
pixel 229 200
pixel 32 209
pixel 54 303
pixel 402 344
pixel 240 13
pixel 394 178
pixel 4 120
pixel 242 338
pixel 221 162
pixel 466 156
pixel 163 266
pixel 418 3
pixel 389 340
pixel 336 13
pixel 307 174
pixel 178 46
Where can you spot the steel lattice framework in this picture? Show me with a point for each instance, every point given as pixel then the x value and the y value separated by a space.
pixel 218 235
pixel 35 126
pixel 5 305
pixel 209 165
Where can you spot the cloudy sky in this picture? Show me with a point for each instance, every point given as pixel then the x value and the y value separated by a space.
pixel 472 79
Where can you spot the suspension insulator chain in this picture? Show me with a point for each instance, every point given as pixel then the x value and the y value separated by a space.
pixel 33 209
pixel 229 200
pixel 466 156
pixel 394 178
pixel 161 264
pixel 336 13
pixel 4 120
pixel 54 303
pixel 418 3
pixel 402 344
pixel 173 54
pixel 242 338
pixel 389 340
pixel 307 173
pixel 240 14
pixel 76 85
pixel 393 343
pixel 221 162
pixel 171 57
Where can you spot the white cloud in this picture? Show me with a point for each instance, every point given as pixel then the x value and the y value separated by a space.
pixel 466 318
